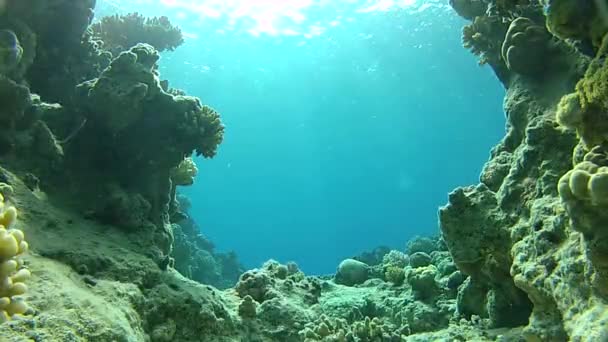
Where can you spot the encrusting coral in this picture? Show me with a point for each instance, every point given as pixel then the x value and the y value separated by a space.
pixel 12 274
pixel 527 47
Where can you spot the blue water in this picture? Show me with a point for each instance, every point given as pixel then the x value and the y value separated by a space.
pixel 345 128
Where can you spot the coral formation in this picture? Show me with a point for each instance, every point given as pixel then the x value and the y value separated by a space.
pixel 526 47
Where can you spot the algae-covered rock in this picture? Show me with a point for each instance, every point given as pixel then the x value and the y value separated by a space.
pixel 422 281
pixel 572 19
pixel 420 259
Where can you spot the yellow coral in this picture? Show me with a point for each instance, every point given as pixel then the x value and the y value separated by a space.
pixel 395 274
pixel 587 182
pixel 598 187
pixel 569 112
pixel 185 173
pixel 12 279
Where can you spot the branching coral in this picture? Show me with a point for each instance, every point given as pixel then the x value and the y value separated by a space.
pixel 184 173
pixel 332 329
pixel 469 9
pixel 12 273
pixel 121 32
pixel 483 37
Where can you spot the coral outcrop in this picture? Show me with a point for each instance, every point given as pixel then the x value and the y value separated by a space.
pixel 113 123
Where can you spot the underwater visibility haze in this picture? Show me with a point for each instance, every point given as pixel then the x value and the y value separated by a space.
pixel 347 122
pixel 304 171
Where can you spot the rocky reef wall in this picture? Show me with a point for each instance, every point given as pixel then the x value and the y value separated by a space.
pixel 531 235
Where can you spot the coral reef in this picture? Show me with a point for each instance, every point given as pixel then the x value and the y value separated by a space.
pixel 94 145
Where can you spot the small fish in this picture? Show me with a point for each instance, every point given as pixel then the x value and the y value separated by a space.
pixel 8 39
pixel 10 50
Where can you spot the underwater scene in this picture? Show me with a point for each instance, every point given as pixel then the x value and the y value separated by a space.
pixel 303 170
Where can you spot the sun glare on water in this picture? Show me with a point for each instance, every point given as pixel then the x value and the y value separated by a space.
pixel 277 17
